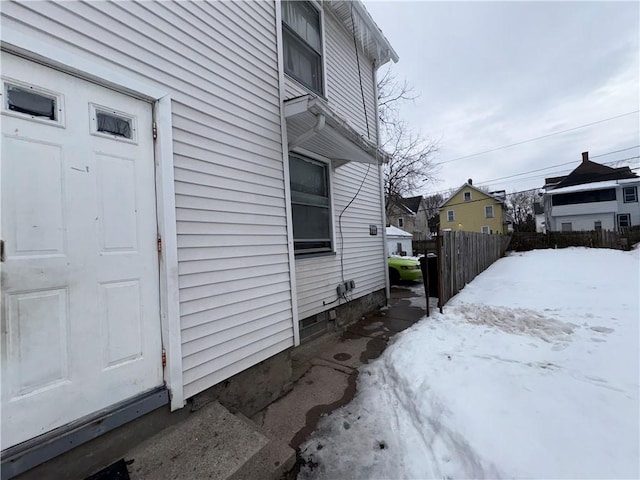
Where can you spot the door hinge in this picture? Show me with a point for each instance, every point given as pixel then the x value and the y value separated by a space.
pixel 164 358
pixel 159 244
pixel 154 130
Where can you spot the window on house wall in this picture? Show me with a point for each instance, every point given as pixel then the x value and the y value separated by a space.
pixel 398 247
pixel 302 42
pixel 485 230
pixel 310 205
pixel 597 225
pixel 401 222
pixel 450 216
pixel 566 226
pixel 488 211
pixel 630 194
pixel 624 220
pixel 467 196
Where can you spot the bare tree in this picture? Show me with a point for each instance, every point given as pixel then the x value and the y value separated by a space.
pixel 520 205
pixel 432 205
pixel 410 165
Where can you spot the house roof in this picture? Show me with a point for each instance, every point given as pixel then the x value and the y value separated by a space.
pixel 397 232
pixel 589 172
pixel 594 185
pixel 500 196
pixel 412 203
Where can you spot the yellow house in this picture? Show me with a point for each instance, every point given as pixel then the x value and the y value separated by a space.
pixel 470 209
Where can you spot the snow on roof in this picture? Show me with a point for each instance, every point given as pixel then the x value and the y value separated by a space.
pixel 593 186
pixel 396 232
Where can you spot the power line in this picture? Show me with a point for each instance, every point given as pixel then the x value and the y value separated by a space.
pixel 537 138
pixel 552 166
pixel 616 151
pixel 546 168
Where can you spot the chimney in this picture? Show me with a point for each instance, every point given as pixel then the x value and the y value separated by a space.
pixel 585 156
pixel 470 181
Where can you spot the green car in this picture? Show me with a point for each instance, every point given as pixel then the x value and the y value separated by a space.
pixel 404 268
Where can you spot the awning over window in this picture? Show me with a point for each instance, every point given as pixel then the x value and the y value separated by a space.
pixel 312 125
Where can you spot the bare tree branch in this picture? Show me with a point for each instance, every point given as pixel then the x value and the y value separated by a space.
pixel 411 154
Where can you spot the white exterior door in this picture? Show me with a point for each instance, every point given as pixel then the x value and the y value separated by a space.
pixel 80 300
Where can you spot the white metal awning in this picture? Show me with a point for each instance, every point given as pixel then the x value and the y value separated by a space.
pixel 312 125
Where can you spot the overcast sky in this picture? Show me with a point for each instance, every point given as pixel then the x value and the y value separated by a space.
pixel 490 74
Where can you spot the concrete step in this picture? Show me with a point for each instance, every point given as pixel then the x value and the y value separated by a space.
pixel 211 443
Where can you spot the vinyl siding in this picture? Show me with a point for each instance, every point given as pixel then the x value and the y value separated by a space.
pixel 470 216
pixel 363 256
pixel 343 79
pixel 218 61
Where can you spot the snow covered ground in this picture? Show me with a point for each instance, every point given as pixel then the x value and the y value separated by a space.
pixel 531 372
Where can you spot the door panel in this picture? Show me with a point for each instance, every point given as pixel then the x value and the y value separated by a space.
pixel 80 313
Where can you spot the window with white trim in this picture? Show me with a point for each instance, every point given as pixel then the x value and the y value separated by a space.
pixel 450 216
pixel 302 43
pixel 624 220
pixel 485 230
pixel 488 211
pixel 467 196
pixel 597 225
pixel 310 205
pixel 630 194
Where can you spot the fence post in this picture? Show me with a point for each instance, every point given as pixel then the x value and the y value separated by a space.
pixel 425 278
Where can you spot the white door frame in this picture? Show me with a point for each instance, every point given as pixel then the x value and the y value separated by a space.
pixel 51 56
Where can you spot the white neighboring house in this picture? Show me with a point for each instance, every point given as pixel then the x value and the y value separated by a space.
pixel 183 183
pixel 399 242
pixel 592 197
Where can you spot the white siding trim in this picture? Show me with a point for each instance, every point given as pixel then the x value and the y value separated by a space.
pixel 169 286
pixel 169 307
pixel 287 184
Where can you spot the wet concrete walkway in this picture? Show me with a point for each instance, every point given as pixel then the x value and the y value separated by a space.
pixel 327 369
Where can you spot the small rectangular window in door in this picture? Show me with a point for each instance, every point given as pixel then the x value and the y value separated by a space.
pixel 112 124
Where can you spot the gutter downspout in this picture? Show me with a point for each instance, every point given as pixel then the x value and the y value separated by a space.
pixel 303 137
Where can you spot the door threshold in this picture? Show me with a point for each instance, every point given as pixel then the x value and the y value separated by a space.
pixel 26 455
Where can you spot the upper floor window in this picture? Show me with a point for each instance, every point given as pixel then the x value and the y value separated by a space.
pixel 488 211
pixel 302 39
pixel 467 196
pixel 630 194
pixel 311 205
pixel 450 216
pixel 401 222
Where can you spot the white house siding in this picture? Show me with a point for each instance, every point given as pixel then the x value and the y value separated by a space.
pixel 218 61
pixel 343 83
pixel 632 208
pixel 342 79
pixel 587 222
pixel 363 256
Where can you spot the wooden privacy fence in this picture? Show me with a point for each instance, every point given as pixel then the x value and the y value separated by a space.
pixel 462 256
pixel 622 239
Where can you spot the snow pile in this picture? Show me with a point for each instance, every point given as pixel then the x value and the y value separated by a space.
pixel 531 372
